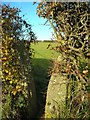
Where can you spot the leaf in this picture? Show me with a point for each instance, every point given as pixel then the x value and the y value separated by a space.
pixel 11 82
pixel 14 92
pixel 85 71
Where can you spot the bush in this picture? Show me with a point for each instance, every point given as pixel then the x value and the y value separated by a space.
pixel 71 24
pixel 18 90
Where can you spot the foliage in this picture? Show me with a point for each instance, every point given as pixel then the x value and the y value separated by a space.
pixel 71 24
pixel 14 25
pixel 16 66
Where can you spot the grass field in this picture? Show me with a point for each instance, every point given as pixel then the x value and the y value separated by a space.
pixel 41 62
pixel 42 51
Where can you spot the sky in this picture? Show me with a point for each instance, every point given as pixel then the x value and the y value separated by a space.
pixel 42 31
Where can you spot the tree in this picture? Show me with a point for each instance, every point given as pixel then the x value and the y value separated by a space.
pixel 71 24
pixel 18 85
pixel 14 25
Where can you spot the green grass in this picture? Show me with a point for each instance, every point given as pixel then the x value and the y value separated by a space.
pixel 41 50
pixel 41 62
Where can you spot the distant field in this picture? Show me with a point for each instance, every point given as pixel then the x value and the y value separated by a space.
pixel 41 63
pixel 42 50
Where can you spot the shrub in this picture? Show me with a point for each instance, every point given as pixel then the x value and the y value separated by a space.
pixel 17 88
pixel 71 24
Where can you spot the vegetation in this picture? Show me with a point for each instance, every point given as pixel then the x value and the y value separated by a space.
pixel 42 63
pixel 21 74
pixel 71 24
pixel 16 66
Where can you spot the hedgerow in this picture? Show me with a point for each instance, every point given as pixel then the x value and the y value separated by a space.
pixel 71 24
pixel 16 65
